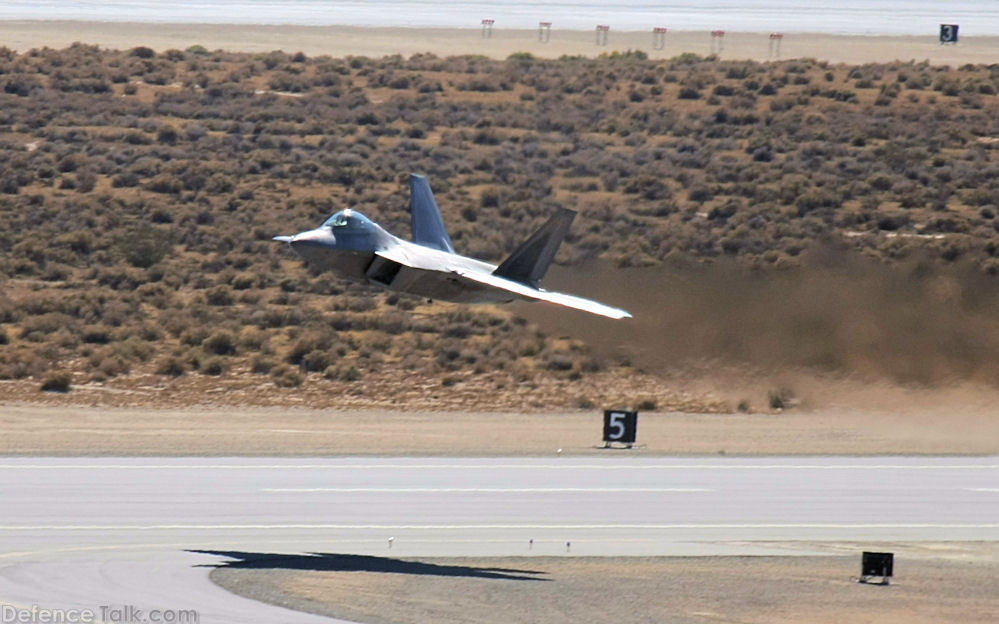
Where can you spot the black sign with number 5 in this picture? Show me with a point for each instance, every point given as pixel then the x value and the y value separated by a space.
pixel 620 426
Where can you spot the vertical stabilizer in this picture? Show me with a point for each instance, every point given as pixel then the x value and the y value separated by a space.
pixel 529 262
pixel 428 225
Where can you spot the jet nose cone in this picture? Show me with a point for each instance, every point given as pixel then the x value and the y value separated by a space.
pixel 313 245
pixel 313 238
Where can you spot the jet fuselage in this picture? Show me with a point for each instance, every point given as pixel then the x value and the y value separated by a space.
pixel 355 248
pixel 347 244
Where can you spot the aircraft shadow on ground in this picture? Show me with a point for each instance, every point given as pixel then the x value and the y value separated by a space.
pixel 332 562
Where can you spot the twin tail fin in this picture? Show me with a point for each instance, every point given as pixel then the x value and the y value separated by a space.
pixel 527 265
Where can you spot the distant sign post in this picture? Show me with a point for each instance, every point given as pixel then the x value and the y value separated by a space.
pixel 620 426
pixel 544 31
pixel 658 38
pixel 775 39
pixel 717 41
pixel 948 34
pixel 876 565
pixel 602 30
pixel 487 28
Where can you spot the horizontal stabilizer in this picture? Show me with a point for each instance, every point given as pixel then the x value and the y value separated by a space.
pixel 428 225
pixel 529 262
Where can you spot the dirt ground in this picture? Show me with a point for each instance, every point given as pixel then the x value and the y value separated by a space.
pixel 950 582
pixel 348 40
pixel 74 430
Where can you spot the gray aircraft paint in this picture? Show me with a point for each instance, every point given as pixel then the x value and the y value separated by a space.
pixel 358 249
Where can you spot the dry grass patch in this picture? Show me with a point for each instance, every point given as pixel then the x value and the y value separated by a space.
pixel 751 590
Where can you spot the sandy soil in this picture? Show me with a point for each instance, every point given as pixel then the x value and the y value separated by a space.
pixel 952 582
pixel 46 430
pixel 344 40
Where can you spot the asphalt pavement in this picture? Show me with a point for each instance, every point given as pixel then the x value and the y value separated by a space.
pixel 144 533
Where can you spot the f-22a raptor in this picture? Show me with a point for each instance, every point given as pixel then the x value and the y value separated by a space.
pixel 355 248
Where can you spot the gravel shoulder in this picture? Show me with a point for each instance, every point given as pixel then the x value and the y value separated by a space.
pixel 946 582
pixel 336 41
pixel 74 430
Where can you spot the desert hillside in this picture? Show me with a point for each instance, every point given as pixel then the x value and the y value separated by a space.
pixel 139 190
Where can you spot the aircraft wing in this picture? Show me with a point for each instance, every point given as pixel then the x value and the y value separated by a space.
pixel 444 264
pixel 525 291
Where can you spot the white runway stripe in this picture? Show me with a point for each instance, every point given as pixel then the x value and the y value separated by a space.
pixel 486 490
pixel 477 527
pixel 556 466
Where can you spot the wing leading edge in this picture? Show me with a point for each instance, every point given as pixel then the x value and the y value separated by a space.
pixel 443 265
pixel 527 292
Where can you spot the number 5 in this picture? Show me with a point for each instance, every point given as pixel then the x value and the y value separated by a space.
pixel 615 423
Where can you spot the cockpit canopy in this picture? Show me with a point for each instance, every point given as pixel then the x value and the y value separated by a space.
pixel 348 219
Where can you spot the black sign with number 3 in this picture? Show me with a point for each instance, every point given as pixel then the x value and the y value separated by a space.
pixel 948 33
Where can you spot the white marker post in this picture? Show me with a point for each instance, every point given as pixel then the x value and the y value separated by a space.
pixel 717 41
pixel 544 32
pixel 602 30
pixel 658 38
pixel 774 50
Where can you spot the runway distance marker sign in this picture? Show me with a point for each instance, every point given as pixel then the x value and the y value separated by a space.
pixel 620 426
pixel 876 565
pixel 948 33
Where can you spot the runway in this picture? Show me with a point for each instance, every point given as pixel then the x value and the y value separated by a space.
pixel 81 533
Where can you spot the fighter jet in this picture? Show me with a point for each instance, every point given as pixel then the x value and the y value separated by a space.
pixel 358 249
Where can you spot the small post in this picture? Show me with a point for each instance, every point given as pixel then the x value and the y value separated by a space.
pixel 568 545
pixel 658 38
pixel 530 544
pixel 391 539
pixel 487 28
pixel 544 32
pixel 602 30
pixel 717 41
pixel 774 50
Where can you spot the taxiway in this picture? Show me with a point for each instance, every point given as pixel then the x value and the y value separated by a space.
pixel 89 532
